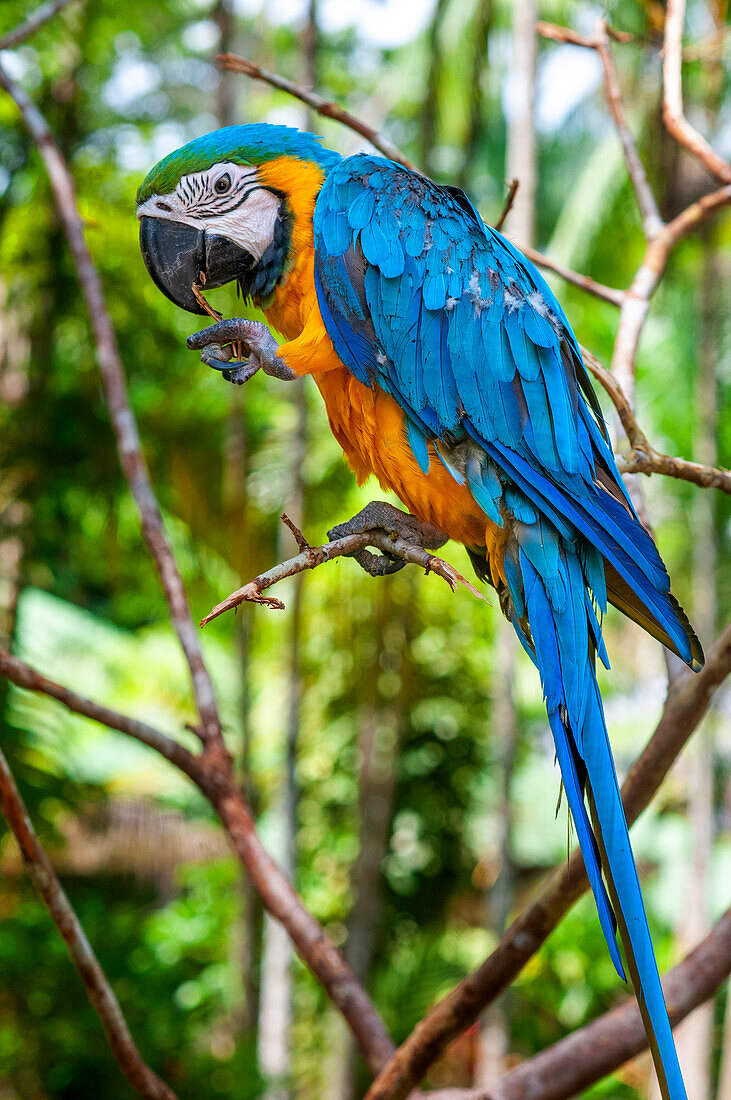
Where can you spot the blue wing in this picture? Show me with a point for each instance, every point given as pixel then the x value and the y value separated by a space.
pixel 423 299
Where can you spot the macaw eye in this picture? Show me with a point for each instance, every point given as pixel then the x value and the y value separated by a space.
pixel 222 184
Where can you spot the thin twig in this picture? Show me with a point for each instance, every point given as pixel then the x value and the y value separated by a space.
pixel 687 701
pixel 598 290
pixel 20 673
pixel 672 104
pixel 643 458
pixel 508 204
pixel 318 103
pixel 576 1062
pixel 314 556
pixel 123 420
pixel 566 34
pixel 651 221
pixel 142 1079
pixel 299 538
pixel 29 26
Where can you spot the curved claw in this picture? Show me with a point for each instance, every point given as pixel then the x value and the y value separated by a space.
pixel 238 373
pixel 377 565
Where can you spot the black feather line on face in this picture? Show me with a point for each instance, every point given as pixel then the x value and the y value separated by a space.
pixel 260 283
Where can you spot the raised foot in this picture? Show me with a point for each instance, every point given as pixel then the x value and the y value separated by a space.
pixel 382 516
pixel 255 342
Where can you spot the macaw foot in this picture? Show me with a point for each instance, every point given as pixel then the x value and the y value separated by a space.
pixel 382 516
pixel 256 343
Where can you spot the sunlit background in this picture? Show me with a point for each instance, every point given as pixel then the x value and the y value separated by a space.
pixel 382 728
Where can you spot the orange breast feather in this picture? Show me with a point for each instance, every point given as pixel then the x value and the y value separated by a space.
pixel 367 423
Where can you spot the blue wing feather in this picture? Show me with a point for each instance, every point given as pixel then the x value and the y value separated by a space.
pixel 420 297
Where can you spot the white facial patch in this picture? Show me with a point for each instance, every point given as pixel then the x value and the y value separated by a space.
pixel 226 199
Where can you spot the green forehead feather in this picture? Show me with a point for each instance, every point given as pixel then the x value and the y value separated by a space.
pixel 255 145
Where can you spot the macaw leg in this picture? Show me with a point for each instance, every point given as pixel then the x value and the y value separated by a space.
pixel 257 344
pixel 379 515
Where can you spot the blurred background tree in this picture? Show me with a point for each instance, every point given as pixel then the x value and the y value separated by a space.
pixel 369 719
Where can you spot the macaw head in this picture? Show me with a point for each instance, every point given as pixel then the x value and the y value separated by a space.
pixel 226 207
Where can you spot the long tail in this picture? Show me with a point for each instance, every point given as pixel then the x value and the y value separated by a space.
pixel 551 582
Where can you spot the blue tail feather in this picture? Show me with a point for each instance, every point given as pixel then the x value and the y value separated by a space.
pixel 563 649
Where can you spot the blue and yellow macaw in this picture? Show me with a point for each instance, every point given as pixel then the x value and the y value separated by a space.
pixel 449 370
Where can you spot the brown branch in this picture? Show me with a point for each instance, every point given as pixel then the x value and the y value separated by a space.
pixel 687 701
pixel 318 103
pixel 672 104
pixel 565 34
pixel 508 204
pixel 652 223
pixel 140 1076
pixel 18 672
pixel 29 26
pixel 599 290
pixel 653 462
pixel 643 458
pixel 213 770
pixel 275 890
pixel 637 298
pixel 313 556
pixel 571 1065
pixel 123 421
pixel 651 220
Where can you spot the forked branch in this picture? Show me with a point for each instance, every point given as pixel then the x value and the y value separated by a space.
pixel 643 458
pixel 672 106
pixel 576 1062
pixel 313 556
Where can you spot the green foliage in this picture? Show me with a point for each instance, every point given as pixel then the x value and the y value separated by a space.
pixel 122 85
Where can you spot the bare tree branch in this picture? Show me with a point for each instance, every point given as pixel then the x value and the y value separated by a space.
pixel 651 221
pixel 566 34
pixel 571 1065
pixel 672 106
pixel 318 103
pixel 138 1073
pixel 686 703
pixel 35 20
pixel 607 293
pixel 643 458
pixel 18 672
pixel 312 556
pixel 213 771
pixel 637 298
pixel 275 890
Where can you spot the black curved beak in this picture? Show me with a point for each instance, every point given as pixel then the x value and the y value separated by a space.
pixel 178 255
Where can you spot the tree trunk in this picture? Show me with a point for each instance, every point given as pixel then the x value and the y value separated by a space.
pixel 521 144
